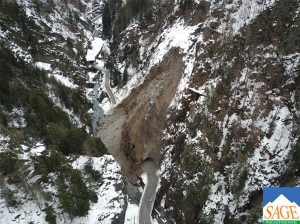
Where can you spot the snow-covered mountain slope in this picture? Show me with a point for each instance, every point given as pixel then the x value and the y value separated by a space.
pixel 232 127
pixel 208 90
pixel 53 36
pixel 52 170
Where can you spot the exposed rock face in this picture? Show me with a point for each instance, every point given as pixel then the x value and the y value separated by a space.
pixel 132 131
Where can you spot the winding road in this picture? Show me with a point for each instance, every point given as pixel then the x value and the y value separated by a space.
pixel 149 194
pixel 106 83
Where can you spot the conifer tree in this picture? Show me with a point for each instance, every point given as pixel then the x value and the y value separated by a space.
pixel 106 19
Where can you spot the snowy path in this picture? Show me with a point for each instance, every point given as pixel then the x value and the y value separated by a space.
pixel 149 194
pixel 107 84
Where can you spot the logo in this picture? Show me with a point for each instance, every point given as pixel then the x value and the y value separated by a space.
pixel 281 205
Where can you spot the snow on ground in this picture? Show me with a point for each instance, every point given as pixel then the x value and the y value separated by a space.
pixel 56 74
pixel 4 143
pixel 58 27
pixel 28 7
pixel 53 20
pixel 270 157
pixel 16 118
pixel 111 201
pixel 29 203
pixel 66 81
pixel 38 149
pixel 97 45
pixel 57 102
pixel 27 212
pixel 244 12
pixel 20 53
pixel 263 168
pixel 43 65
pixel 136 79
pixel 218 199
pixel 185 37
pixel 2 33
pixel 144 178
pixel 179 35
pixel 131 215
pixel 228 122
pixel 105 105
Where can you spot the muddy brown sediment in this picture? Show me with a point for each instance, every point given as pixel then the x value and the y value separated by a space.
pixel 132 130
